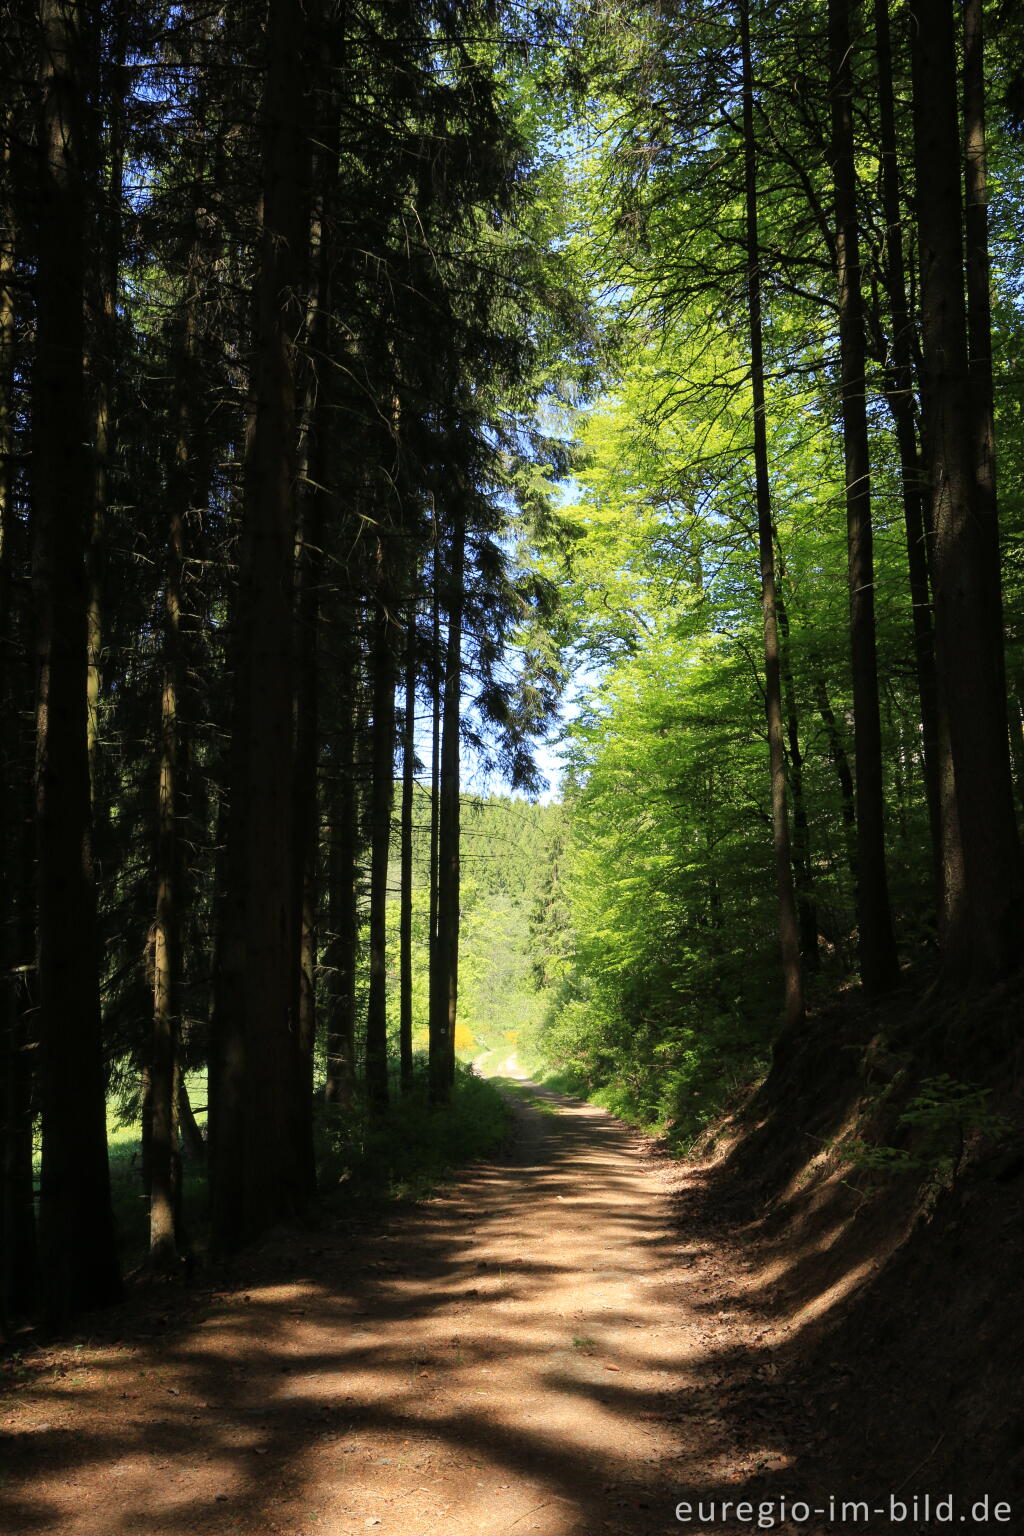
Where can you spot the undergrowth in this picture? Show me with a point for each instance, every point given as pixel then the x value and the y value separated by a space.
pixel 934 1128
pixel 668 1087
pixel 412 1146
pixel 400 1154
pixel 524 1092
pixel 131 1203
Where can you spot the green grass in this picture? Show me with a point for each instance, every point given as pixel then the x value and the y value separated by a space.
pixel 402 1154
pixel 674 1106
pixel 412 1147
pixel 131 1206
pixel 526 1094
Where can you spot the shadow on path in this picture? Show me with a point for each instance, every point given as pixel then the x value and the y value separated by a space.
pixel 534 1351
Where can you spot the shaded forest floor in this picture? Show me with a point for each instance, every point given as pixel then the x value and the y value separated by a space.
pixel 573 1338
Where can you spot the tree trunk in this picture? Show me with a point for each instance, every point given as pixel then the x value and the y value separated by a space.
pixel 445 974
pixel 102 371
pixel 382 794
pixel 979 310
pixel 789 932
pixel 319 477
pixel 807 913
pixel 340 958
pixel 76 1228
pixel 1016 707
pixel 163 1245
pixel 257 1179
pixel 188 487
pixel 307 838
pixel 879 965
pixel 18 1274
pixel 408 790
pixel 191 1132
pixel 841 763
pixel 146 1127
pixel 343 888
pixel 435 745
pixel 900 398
pixel 982 918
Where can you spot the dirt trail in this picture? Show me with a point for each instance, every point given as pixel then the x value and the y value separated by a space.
pixel 537 1350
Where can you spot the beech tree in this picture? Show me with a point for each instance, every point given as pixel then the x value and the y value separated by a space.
pixel 788 928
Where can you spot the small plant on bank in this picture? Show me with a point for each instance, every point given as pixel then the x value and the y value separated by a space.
pixel 943 1113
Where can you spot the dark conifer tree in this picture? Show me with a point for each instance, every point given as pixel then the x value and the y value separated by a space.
pixel 983 909
pixel 256 1176
pixel 77 1241
pixel 877 946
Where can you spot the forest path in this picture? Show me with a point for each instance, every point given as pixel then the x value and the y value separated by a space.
pixel 538 1349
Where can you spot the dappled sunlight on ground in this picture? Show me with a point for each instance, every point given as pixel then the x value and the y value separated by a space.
pixel 530 1352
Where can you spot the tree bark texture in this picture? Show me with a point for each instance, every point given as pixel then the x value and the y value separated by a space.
pixel 257 1179
pixel 384 664
pixel 789 930
pixel 879 965
pixel 406 856
pixel 982 916
pixel 18 1274
pixel 901 401
pixel 343 883
pixel 78 1251
pixel 444 979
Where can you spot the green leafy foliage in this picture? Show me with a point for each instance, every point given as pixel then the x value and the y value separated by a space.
pixel 937 1122
pixel 413 1146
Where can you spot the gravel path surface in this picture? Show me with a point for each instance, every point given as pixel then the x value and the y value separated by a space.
pixel 529 1352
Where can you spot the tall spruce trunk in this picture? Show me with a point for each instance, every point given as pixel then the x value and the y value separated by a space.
pixel 8 348
pixel 1015 703
pixel 164 1170
pixel 879 965
pixel 900 399
pixel 343 884
pixel 437 665
pixel 78 1250
pixel 103 302
pixel 307 831
pixel 408 791
pixel 318 506
pixel 789 929
pixel 257 1179
pixel 982 917
pixel 339 958
pixel 18 1273
pixel 188 484
pixel 444 980
pixel 979 306
pixel 383 664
